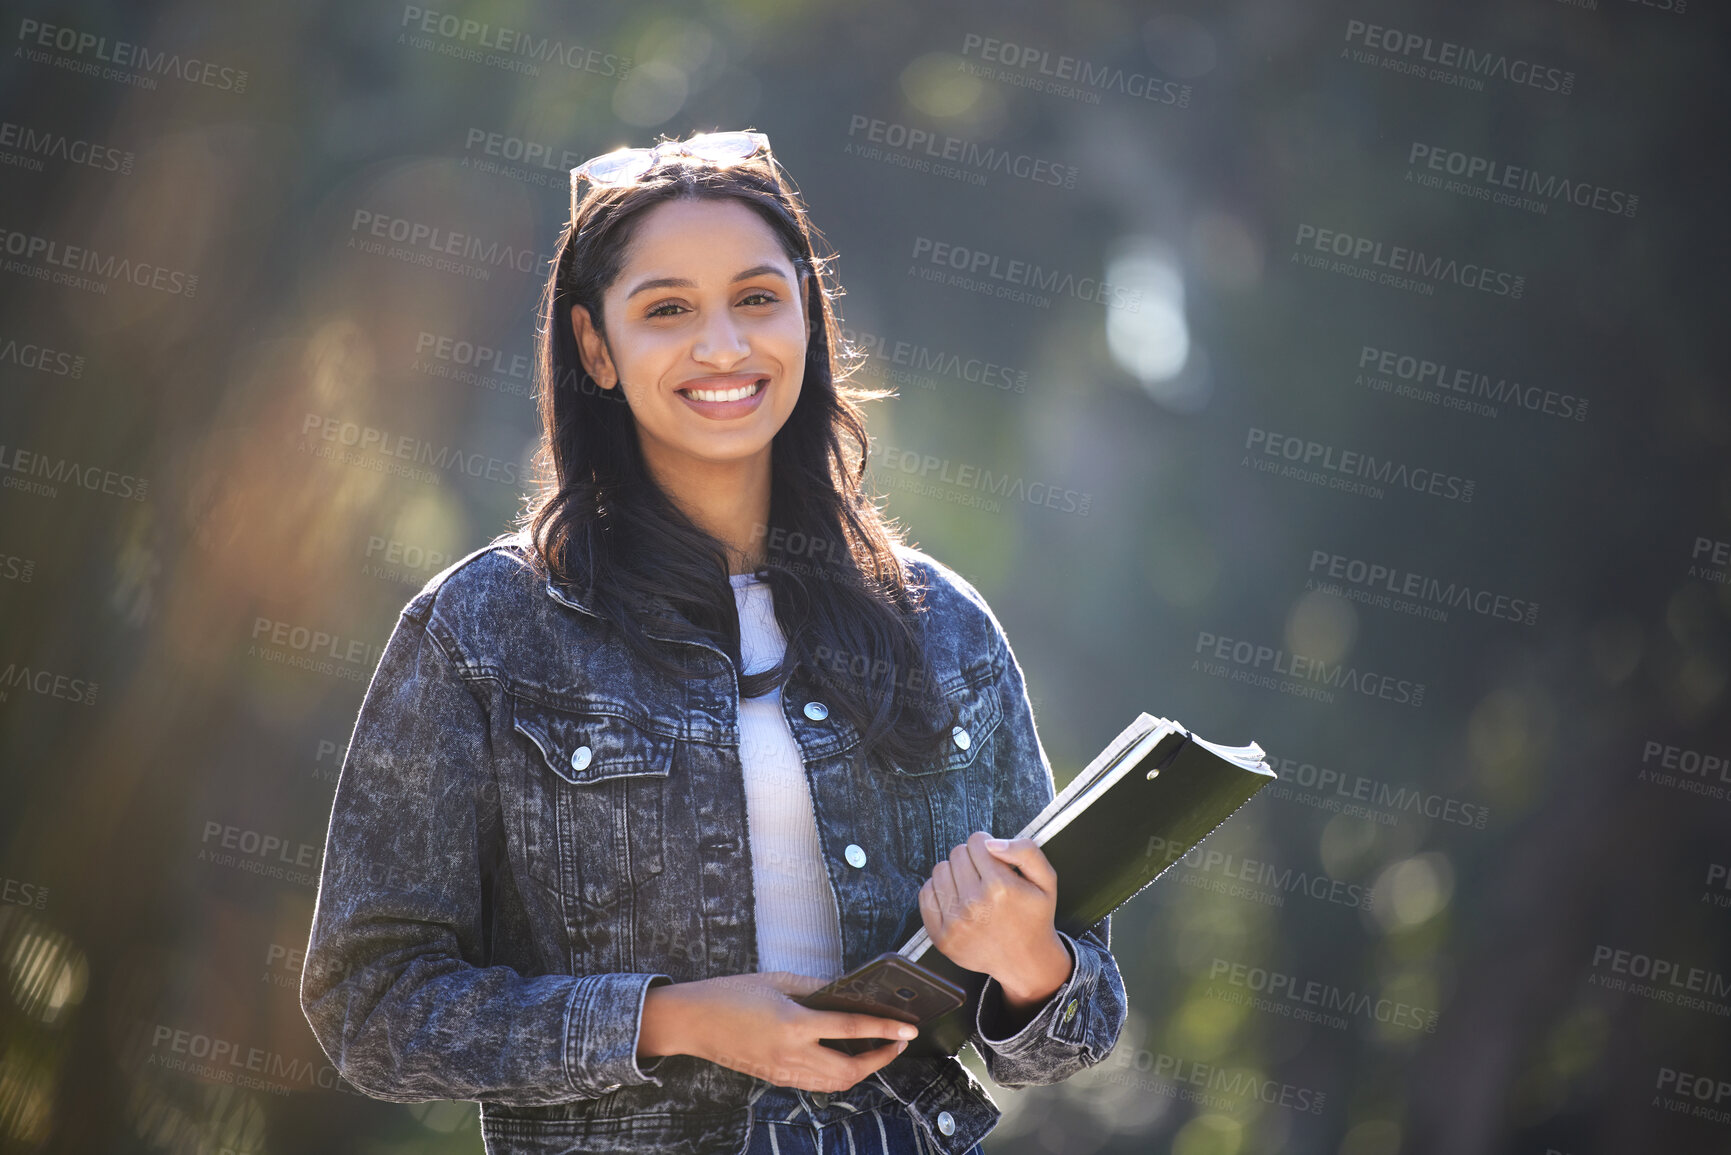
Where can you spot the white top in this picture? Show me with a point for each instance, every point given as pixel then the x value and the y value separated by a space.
pixel 798 928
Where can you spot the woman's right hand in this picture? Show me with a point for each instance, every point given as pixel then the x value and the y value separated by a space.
pixel 750 1023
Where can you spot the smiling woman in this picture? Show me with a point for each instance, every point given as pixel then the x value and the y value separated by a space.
pixel 699 737
pixel 711 360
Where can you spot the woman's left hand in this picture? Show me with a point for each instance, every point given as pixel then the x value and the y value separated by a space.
pixel 986 917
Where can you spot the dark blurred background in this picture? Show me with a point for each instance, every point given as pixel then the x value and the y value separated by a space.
pixel 1395 441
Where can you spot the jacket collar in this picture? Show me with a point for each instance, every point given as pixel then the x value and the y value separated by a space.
pixel 663 615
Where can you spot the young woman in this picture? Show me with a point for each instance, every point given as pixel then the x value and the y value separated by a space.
pixel 701 736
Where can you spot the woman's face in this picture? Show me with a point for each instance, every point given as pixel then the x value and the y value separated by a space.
pixel 707 328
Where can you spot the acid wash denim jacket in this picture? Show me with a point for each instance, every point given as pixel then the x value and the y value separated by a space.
pixel 530 829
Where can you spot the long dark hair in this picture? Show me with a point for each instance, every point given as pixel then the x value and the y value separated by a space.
pixel 600 523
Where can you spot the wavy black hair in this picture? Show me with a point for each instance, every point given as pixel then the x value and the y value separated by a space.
pixel 600 523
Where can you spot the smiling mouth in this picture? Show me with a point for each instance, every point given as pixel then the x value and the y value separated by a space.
pixel 738 393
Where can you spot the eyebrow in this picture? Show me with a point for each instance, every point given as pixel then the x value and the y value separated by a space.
pixel 683 283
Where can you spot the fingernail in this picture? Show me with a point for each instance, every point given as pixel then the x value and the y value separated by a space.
pixel 907 1032
pixel 997 843
pixel 901 1046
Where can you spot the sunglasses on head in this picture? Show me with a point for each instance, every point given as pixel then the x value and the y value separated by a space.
pixel 625 165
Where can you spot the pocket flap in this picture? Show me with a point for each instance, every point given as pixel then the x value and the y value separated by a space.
pixel 583 746
pixel 978 714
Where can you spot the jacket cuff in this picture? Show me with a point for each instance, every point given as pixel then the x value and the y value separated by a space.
pixel 604 1025
pixel 1061 1017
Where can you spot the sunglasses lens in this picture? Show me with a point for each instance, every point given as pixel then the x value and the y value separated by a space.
pixel 722 146
pixel 626 164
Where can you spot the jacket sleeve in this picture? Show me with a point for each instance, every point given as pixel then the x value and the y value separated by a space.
pixel 396 984
pixel 1079 1025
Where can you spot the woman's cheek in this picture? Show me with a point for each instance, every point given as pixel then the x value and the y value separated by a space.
pixel 790 334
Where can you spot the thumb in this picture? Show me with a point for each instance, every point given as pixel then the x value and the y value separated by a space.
pixel 1026 855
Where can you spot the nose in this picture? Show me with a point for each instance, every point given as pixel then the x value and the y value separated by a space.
pixel 719 343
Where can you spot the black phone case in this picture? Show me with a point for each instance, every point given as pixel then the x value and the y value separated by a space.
pixel 888 985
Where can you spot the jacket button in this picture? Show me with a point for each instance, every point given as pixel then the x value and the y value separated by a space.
pixel 961 737
pixel 821 1098
pixel 946 1123
pixel 611 1087
pixel 580 757
pixel 855 854
pixel 816 711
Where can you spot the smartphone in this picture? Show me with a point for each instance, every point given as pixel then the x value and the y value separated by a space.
pixel 888 985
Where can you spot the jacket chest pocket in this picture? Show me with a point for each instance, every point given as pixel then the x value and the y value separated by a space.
pixel 948 796
pixel 595 800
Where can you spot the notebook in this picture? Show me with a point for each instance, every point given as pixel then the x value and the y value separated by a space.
pixel 1144 802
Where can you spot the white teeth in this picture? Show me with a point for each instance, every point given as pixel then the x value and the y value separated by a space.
pixel 738 394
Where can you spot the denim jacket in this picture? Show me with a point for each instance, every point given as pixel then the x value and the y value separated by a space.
pixel 530 829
